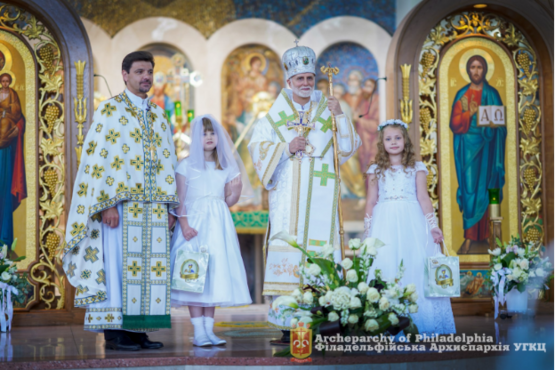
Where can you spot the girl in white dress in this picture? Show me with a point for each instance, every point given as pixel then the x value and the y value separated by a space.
pixel 210 181
pixel 399 212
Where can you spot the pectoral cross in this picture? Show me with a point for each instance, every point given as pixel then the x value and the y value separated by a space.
pixel 303 125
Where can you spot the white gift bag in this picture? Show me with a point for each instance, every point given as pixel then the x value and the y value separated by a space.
pixel 189 271
pixel 443 276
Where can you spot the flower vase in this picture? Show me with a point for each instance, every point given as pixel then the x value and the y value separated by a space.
pixel 517 301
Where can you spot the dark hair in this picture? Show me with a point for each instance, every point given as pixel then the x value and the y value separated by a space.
pixel 6 74
pixel 136 56
pixel 482 61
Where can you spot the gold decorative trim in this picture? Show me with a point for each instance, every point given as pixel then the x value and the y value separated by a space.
pixel 406 102
pixel 80 107
pixel 529 111
pixel 295 198
pixel 51 165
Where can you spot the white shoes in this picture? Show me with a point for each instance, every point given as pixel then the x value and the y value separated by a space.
pixel 200 339
pixel 209 328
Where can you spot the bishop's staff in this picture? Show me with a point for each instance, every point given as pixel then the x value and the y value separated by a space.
pixel 330 71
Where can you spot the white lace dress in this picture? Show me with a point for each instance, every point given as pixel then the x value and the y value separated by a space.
pixel 398 221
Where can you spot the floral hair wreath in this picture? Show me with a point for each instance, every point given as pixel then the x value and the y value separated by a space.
pixel 392 122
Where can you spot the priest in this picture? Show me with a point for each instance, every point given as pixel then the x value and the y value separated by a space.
pixel 292 151
pixel 117 251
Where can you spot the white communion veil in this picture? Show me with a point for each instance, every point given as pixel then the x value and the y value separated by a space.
pixel 190 169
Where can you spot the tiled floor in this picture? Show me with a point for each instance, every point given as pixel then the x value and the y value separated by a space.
pixel 70 347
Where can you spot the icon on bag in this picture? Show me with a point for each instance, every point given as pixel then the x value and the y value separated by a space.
pixel 444 276
pixel 189 270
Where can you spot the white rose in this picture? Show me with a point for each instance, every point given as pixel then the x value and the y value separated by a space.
pixel 509 277
pixel 524 264
pixel 371 251
pixel 411 288
pixel 540 272
pixel 322 301
pixel 355 302
pixel 297 294
pixel 370 312
pixel 495 252
pixel 371 325
pixel 308 298
pixel 333 316
pixel 516 273
pixel 373 295
pixel 414 297
pixel 328 295
pixel 306 319
pixel 363 287
pixel 413 308
pixel 521 252
pixel 497 266
pixel 393 292
pixel 354 244
pixel 314 269
pixel 353 319
pixel 6 276
pixel 384 304
pixel 294 322
pixel 327 250
pixel 393 319
pixel 352 276
pixel 347 263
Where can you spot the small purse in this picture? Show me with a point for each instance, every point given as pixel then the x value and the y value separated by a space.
pixel 442 276
pixel 189 271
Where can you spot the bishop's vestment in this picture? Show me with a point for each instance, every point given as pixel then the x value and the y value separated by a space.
pixel 303 194
pixel 122 274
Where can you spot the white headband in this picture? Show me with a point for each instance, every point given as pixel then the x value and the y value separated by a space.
pixel 392 122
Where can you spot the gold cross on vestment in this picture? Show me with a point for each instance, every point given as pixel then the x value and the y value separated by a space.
pixel 134 268
pixel 158 269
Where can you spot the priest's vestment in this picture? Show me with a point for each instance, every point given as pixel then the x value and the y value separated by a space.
pixel 303 194
pixel 122 274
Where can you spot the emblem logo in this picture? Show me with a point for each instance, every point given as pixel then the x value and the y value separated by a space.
pixel 305 61
pixel 189 270
pixel 301 342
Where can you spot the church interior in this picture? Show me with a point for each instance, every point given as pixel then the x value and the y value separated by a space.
pixel 395 59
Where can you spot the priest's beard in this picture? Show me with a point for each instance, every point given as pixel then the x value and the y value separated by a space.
pixel 303 94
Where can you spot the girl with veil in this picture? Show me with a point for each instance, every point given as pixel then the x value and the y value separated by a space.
pixel 209 181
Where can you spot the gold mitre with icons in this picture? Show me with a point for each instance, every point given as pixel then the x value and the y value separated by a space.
pixel 300 59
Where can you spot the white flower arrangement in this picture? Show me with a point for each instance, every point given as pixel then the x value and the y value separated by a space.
pixel 517 265
pixel 13 286
pixel 352 300
pixel 392 122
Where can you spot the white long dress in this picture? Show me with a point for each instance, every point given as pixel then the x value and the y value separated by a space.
pixel 398 221
pixel 226 280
